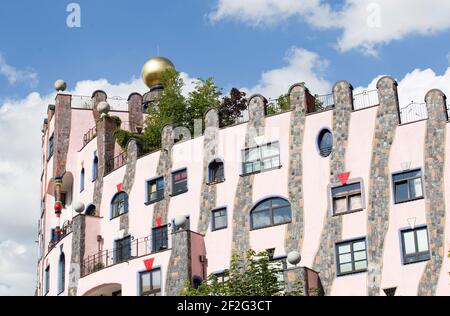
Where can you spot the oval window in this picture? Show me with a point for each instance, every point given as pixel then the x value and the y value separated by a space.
pixel 325 143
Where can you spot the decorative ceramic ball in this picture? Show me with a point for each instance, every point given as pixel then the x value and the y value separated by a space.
pixel 103 107
pixel 58 206
pixel 180 221
pixel 294 257
pixel 78 207
pixel 60 85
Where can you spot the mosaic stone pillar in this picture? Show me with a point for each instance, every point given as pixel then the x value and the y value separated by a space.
pixel 244 192
pixel 325 261
pixel 434 189
pixel 179 271
pixel 208 195
pixel 78 246
pixel 63 116
pixel 380 181
pixel 294 230
pixel 135 116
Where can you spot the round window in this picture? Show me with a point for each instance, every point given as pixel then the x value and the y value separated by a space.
pixel 325 142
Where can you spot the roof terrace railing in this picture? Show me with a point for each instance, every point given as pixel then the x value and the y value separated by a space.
pixel 116 162
pixel 89 135
pixel 324 102
pixel 58 236
pixel 365 99
pixel 413 112
pixel 86 102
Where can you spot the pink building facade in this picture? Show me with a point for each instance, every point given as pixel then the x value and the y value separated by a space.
pixel 350 182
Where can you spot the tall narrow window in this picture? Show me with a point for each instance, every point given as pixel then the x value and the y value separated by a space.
pixel 90 211
pixel 216 171
pixel 82 174
pixel 351 256
pixel 219 219
pixel 122 251
pixel 415 245
pixel 95 169
pixel 119 204
pixel 325 142
pixel 160 238
pixel 51 143
pixel 47 280
pixel 61 273
pixel 270 212
pixel 179 182
pixel 155 190
pixel 408 186
pixel 150 283
pixel 261 158
pixel 347 198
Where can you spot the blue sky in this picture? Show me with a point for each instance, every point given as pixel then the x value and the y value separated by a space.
pixel 262 46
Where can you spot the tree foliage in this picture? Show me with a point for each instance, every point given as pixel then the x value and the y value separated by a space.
pixel 232 107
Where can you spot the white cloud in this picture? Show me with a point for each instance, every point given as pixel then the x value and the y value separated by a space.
pixel 365 24
pixel 302 66
pixel 15 76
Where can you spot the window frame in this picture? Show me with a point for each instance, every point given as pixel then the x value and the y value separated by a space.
pixel 348 195
pixel 82 179
pixel 51 146
pixel 113 203
pixel 408 181
pixel 213 222
pixel 212 173
pixel 152 291
pixel 352 254
pixel 172 178
pixel 270 209
pixel 123 258
pixel 417 256
pixel 95 163
pixel 160 193
pixel 260 160
pixel 320 136
pixel 163 236
pixel 61 273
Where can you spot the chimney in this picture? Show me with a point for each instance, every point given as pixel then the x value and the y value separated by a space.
pixel 135 115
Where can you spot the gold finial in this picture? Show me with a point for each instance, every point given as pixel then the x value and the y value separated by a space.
pixel 153 70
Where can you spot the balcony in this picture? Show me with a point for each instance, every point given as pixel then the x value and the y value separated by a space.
pixel 413 112
pixel 58 236
pixel 365 99
pixel 89 135
pixel 115 163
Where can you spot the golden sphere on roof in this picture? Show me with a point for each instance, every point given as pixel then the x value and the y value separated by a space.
pixel 153 70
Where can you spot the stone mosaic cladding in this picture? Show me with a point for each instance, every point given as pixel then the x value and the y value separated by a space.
pixel 63 115
pixel 179 269
pixel 325 261
pixel 380 181
pixel 210 148
pixel 164 169
pixel 135 115
pixel 294 234
pixel 244 192
pixel 434 189
pixel 78 235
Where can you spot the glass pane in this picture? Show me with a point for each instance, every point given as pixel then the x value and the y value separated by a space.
pixel 360 255
pixel 409 244
pixel 257 166
pixel 160 184
pixel 345 258
pixel 261 219
pixel 343 249
pixel 340 205
pixel 361 265
pixel 220 222
pixel 145 281
pixel 355 202
pixel 277 202
pixel 264 205
pixel 422 240
pixel 269 150
pixel 152 187
pixel 361 245
pixel 156 278
pixel 351 188
pixel 251 154
pixel 401 191
pixel 416 188
pixel 406 175
pixel 282 215
pixel 347 267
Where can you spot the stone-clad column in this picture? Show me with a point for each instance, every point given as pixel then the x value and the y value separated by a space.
pixel 325 261
pixel 210 148
pixel 379 182
pixel 244 192
pixel 295 230
pixel 179 271
pixel 78 246
pixel 434 189
pixel 63 115
pixel 135 115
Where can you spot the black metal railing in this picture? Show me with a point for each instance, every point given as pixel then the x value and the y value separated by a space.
pixel 116 162
pixel 413 112
pixel 365 99
pixel 89 135
pixel 65 230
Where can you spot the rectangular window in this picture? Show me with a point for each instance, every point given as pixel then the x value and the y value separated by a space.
pixel 179 182
pixel 407 186
pixel 221 277
pixel 150 283
pixel 160 239
pixel 155 190
pixel 47 280
pixel 351 256
pixel 415 245
pixel 219 219
pixel 51 142
pixel 347 198
pixel 261 158
pixel 122 250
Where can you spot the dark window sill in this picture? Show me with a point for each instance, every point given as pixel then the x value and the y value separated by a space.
pixel 347 213
pixel 217 229
pixel 178 193
pixel 215 182
pixel 415 261
pixel 351 273
pixel 154 201
pixel 112 218
pixel 275 225
pixel 261 171
pixel 411 200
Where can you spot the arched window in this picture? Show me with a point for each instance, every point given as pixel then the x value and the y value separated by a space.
pixel 270 212
pixel 90 211
pixel 82 180
pixel 325 142
pixel 216 171
pixel 61 273
pixel 119 204
pixel 95 168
